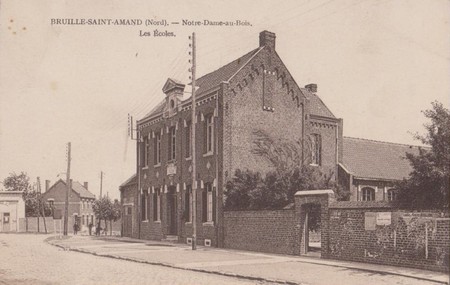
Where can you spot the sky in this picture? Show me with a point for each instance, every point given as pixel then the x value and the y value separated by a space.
pixel 377 64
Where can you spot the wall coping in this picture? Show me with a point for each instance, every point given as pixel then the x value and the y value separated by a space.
pixel 361 205
pixel 259 210
pixel 314 192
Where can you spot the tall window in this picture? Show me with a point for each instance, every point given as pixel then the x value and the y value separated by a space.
pixel 208 203
pixel 188 139
pixel 209 141
pixel 146 150
pixel 157 205
pixel 172 144
pixel 144 202
pixel 157 148
pixel 392 195
pixel 187 203
pixel 367 194
pixel 316 149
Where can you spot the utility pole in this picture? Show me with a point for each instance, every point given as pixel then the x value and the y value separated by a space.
pixel 194 173
pixel 38 191
pixel 101 183
pixel 41 206
pixel 66 206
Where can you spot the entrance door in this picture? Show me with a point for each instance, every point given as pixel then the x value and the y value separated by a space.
pixel 172 211
pixel 6 222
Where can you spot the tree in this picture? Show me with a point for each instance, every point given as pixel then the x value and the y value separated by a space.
pixel 115 214
pixel 21 182
pixel 428 184
pixel 106 210
pixel 17 182
pixel 276 189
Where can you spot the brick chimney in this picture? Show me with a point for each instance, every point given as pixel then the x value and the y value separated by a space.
pixel 86 185
pixel 47 185
pixel 267 38
pixel 311 87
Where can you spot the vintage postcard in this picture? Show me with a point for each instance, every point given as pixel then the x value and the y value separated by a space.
pixel 225 142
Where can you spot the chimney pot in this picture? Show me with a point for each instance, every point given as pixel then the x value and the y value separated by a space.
pixel 311 87
pixel 267 38
pixel 85 185
pixel 47 185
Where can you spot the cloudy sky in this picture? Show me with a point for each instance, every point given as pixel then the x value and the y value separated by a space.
pixel 377 65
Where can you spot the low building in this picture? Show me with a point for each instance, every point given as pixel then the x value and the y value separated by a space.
pixel 371 168
pixel 128 198
pixel 80 201
pixel 12 208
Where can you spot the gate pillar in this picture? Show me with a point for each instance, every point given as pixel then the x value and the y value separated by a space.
pixel 318 197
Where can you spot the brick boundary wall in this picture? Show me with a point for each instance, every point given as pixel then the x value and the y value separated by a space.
pixel 402 243
pixel 271 231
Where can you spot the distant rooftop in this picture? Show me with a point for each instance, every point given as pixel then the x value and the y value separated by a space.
pixel 365 158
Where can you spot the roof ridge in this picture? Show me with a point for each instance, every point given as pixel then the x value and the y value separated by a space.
pixel 253 50
pixel 385 142
pixel 318 97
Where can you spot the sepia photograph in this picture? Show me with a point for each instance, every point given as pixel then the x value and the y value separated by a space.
pixel 224 142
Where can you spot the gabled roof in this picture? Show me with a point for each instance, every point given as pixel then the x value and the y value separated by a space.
pixel 316 105
pixel 377 160
pixel 83 192
pixel 212 79
pixel 130 181
pixel 225 73
pixel 78 188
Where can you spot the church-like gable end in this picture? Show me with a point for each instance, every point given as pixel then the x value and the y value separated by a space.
pixel 174 94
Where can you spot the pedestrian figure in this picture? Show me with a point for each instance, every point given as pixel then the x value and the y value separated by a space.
pixel 75 228
pixel 98 229
pixel 90 228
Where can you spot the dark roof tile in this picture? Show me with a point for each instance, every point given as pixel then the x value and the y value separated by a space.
pixel 375 159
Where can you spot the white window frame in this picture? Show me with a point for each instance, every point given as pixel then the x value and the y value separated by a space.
pixel 146 150
pixel 158 148
pixel 365 191
pixel 172 143
pixel 157 196
pixel 209 121
pixel 316 149
pixel 209 205
pixel 391 194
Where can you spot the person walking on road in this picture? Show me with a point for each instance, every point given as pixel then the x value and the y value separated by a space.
pixel 75 228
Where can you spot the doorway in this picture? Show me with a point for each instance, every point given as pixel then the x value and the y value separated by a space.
pixel 5 222
pixel 172 211
pixel 312 230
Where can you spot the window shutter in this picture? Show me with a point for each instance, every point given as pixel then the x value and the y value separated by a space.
pixel 214 197
pixel 204 205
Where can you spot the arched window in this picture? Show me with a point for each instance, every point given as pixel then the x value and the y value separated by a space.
pixel 367 194
pixel 392 195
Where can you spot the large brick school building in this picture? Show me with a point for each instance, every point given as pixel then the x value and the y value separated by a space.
pixel 255 92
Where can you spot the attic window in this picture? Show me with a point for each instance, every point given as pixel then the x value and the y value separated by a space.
pixel 172 104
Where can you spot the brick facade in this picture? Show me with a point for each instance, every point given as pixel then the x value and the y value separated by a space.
pixel 403 242
pixel 80 203
pixel 263 231
pixel 254 93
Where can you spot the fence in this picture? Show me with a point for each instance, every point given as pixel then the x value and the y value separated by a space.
pixel 30 224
